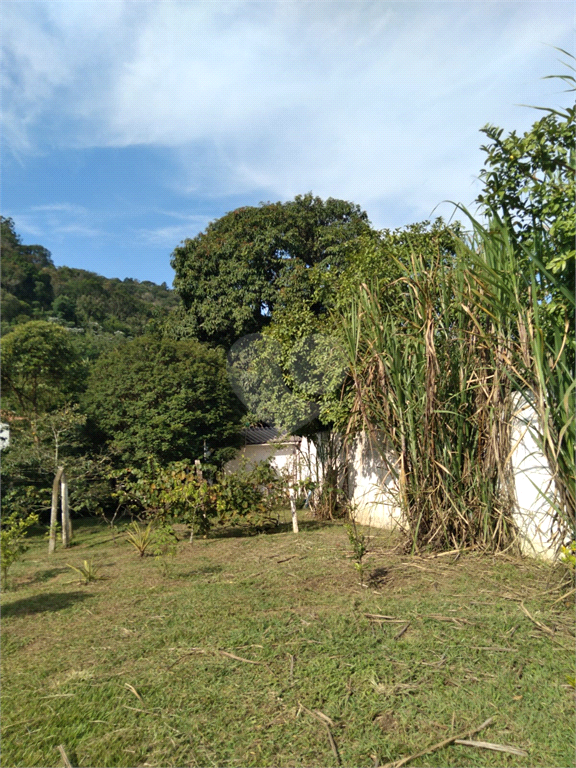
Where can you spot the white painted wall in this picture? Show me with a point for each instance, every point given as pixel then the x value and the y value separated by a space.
pixel 282 457
pixel 533 482
pixel 374 493
pixel 372 487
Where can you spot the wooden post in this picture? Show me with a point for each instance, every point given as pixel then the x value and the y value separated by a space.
pixel 292 495
pixel 54 510
pixel 66 524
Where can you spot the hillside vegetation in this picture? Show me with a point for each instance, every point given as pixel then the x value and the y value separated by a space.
pixel 34 289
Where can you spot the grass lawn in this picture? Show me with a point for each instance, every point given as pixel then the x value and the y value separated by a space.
pixel 258 651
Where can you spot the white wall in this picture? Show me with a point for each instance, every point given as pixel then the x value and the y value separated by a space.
pixel 374 494
pixel 282 457
pixel 533 482
pixel 372 488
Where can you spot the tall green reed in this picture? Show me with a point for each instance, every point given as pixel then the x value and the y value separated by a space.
pixel 438 375
pixel 427 387
pixel 512 286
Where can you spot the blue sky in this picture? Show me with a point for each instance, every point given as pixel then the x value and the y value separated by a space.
pixel 128 125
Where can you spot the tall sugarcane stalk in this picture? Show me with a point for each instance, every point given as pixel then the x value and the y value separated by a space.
pixel 427 385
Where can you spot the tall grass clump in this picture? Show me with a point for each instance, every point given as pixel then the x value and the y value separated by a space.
pixel 511 282
pixel 428 387
pixel 441 373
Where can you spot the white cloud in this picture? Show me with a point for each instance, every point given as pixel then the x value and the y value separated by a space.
pixel 56 220
pixel 169 236
pixel 370 101
pixel 61 208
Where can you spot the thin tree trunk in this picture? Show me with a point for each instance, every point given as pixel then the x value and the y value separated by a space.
pixel 292 494
pixel 54 510
pixel 66 523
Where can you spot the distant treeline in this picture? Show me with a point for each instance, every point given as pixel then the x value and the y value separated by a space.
pixel 34 288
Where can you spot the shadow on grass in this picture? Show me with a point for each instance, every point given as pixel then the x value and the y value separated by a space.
pixel 252 530
pixel 203 570
pixel 51 601
pixel 46 575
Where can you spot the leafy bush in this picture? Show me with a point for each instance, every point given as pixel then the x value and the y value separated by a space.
pixel 179 493
pixel 140 536
pixel 249 495
pixel 12 545
pixel 176 492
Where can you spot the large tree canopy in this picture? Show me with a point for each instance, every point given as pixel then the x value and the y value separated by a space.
pixel 230 275
pixel 529 183
pixel 41 368
pixel 162 398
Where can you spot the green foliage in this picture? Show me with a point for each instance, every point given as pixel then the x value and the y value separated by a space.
pixel 250 495
pixel 140 536
pixel 162 398
pixel 359 543
pixel 178 493
pixel 32 287
pixel 25 269
pixel 175 492
pixel 87 572
pixel 568 555
pixel 287 383
pixel 535 350
pixel 427 394
pixel 529 184
pixel 164 547
pixel 233 276
pixel 41 369
pixel 37 448
pixel 12 540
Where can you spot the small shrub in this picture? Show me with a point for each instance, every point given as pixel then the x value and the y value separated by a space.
pixel 164 547
pixel 87 572
pixel 359 544
pixel 140 536
pixel 12 545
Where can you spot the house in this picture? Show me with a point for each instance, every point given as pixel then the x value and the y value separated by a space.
pixel 371 485
pixel 262 443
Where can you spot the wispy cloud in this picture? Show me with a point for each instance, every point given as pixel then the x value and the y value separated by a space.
pixel 170 236
pixel 61 208
pixel 58 220
pixel 369 101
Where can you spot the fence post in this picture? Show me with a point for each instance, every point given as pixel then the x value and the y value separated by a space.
pixel 54 510
pixel 66 524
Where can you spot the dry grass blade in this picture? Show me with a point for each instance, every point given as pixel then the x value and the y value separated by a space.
pixel 439 745
pixel 326 722
pixel 493 747
pixel 381 617
pixel 65 759
pixel 134 691
pixel 239 658
pixel 564 596
pixel 454 619
pixel 402 631
pixel 323 717
pixel 539 624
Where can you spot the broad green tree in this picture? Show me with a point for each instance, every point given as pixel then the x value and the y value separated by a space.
pixel 163 398
pixel 529 183
pixel 230 276
pixel 41 369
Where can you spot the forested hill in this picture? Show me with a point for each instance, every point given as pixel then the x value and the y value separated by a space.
pixel 34 288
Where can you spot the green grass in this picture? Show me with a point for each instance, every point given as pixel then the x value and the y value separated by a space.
pixel 292 603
